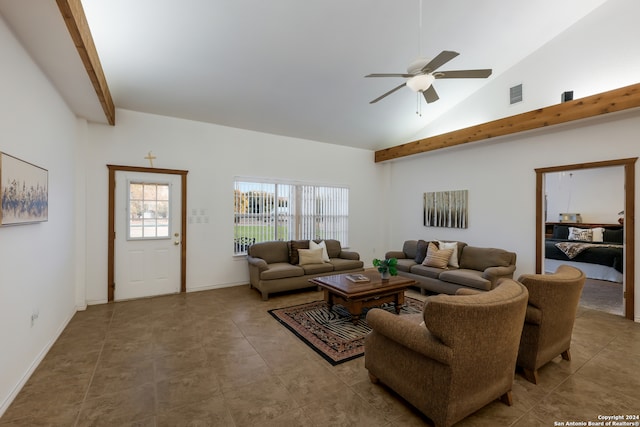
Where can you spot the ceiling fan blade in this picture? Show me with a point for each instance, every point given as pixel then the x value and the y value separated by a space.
pixel 437 62
pixel 430 95
pixel 463 74
pixel 389 75
pixel 388 93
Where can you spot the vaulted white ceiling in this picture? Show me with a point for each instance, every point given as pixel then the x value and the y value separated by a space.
pixel 287 67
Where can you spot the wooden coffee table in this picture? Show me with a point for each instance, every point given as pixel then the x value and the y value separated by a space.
pixel 357 296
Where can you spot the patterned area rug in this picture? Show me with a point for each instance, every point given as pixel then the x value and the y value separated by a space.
pixel 332 334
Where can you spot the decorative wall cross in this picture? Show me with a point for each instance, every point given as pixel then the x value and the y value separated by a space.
pixel 150 157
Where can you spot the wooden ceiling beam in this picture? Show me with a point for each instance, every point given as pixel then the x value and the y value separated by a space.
pixel 78 28
pixel 591 106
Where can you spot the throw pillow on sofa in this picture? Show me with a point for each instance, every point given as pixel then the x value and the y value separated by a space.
pixel 294 245
pixel 421 251
pixel 310 256
pixel 453 261
pixel 436 257
pixel 323 246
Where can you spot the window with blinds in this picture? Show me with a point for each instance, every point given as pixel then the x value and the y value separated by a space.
pixel 266 211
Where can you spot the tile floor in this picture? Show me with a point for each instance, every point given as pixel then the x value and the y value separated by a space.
pixel 217 358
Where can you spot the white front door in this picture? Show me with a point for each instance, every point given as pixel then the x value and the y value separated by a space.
pixel 147 227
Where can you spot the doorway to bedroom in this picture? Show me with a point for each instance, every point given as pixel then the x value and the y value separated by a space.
pixel 592 202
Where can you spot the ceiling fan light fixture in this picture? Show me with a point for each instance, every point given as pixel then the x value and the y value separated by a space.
pixel 420 83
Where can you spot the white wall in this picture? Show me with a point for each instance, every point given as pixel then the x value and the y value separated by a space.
pixel 37 266
pixel 500 178
pixel 597 54
pixel 596 194
pixel 214 155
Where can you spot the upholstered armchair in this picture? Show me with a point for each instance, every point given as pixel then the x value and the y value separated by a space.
pixel 462 358
pixel 553 303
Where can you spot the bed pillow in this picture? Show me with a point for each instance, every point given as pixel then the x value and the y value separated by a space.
pixel 598 234
pixel 583 234
pixel 614 236
pixel 310 256
pixel 438 258
pixel 560 232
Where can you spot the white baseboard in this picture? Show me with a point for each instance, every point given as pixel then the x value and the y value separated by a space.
pixel 216 286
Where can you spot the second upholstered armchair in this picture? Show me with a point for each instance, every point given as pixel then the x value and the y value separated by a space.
pixel 462 358
pixel 553 303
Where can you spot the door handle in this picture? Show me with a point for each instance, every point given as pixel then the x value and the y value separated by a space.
pixel 177 242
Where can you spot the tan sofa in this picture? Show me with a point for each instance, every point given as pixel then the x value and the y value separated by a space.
pixel 478 268
pixel 462 358
pixel 274 266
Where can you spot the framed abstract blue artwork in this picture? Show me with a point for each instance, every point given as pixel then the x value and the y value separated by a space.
pixel 24 191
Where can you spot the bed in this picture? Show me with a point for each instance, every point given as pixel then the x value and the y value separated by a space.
pixel 596 249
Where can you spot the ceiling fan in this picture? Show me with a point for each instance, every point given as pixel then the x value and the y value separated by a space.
pixel 421 74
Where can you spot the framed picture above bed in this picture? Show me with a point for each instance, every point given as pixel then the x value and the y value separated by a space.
pixel 24 191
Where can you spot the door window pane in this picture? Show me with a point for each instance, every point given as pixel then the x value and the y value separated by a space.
pixel 148 211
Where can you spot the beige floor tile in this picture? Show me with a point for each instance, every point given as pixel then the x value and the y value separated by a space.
pixel 352 372
pixel 413 419
pixel 529 420
pixel 494 414
pixel 291 418
pixel 49 413
pixel 210 412
pixel 344 407
pixel 229 348
pixel 390 405
pixel 181 362
pixel 115 377
pixel 259 402
pixel 239 372
pixel 131 405
pixel 196 385
pixel 581 399
pixel 127 349
pixel 51 388
pixel 219 358
pixel 310 380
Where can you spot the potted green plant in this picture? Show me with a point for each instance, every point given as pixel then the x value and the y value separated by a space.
pixel 386 267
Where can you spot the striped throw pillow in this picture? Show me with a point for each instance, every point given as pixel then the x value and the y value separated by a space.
pixel 438 258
